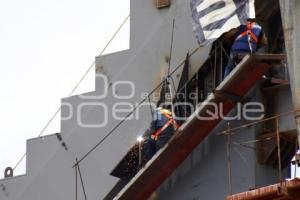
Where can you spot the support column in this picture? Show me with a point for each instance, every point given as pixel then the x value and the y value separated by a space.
pixel 291 23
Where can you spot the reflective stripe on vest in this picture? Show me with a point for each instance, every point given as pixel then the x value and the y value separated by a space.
pixel 248 31
pixel 159 132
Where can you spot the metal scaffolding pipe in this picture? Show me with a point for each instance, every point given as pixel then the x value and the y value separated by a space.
pixel 291 24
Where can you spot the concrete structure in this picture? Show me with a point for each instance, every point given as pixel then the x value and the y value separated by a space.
pixel 291 25
pixel 49 171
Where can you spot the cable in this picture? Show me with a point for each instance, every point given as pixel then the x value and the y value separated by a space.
pixel 245 146
pixel 76 186
pixel 81 180
pixel 77 85
pixel 171 48
pixel 103 50
pixel 256 141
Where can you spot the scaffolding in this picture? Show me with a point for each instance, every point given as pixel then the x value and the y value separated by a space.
pixel 285 189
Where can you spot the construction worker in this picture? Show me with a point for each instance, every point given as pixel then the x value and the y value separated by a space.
pixel 161 130
pixel 247 39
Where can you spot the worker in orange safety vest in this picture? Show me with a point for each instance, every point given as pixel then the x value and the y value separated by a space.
pixel 161 130
pixel 247 38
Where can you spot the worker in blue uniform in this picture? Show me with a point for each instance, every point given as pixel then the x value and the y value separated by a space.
pixel 247 38
pixel 161 130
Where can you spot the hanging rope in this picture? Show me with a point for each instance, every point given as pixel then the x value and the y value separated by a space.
pixel 171 48
pixel 278 149
pixel 169 77
pixel 81 180
pixel 228 150
pixel 76 186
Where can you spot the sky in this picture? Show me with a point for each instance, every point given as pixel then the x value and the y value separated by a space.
pixel 45 48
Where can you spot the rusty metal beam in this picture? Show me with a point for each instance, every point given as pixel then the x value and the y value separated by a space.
pixel 290 190
pixel 195 130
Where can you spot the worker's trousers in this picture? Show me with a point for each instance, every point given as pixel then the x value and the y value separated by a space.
pixel 164 137
pixel 233 61
pixel 148 149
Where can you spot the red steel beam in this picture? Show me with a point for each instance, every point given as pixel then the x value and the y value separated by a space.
pixel 195 130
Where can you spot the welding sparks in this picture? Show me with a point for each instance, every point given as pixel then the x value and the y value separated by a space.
pixel 140 139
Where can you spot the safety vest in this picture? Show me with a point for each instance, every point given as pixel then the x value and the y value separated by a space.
pixel 247 38
pixel 171 121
